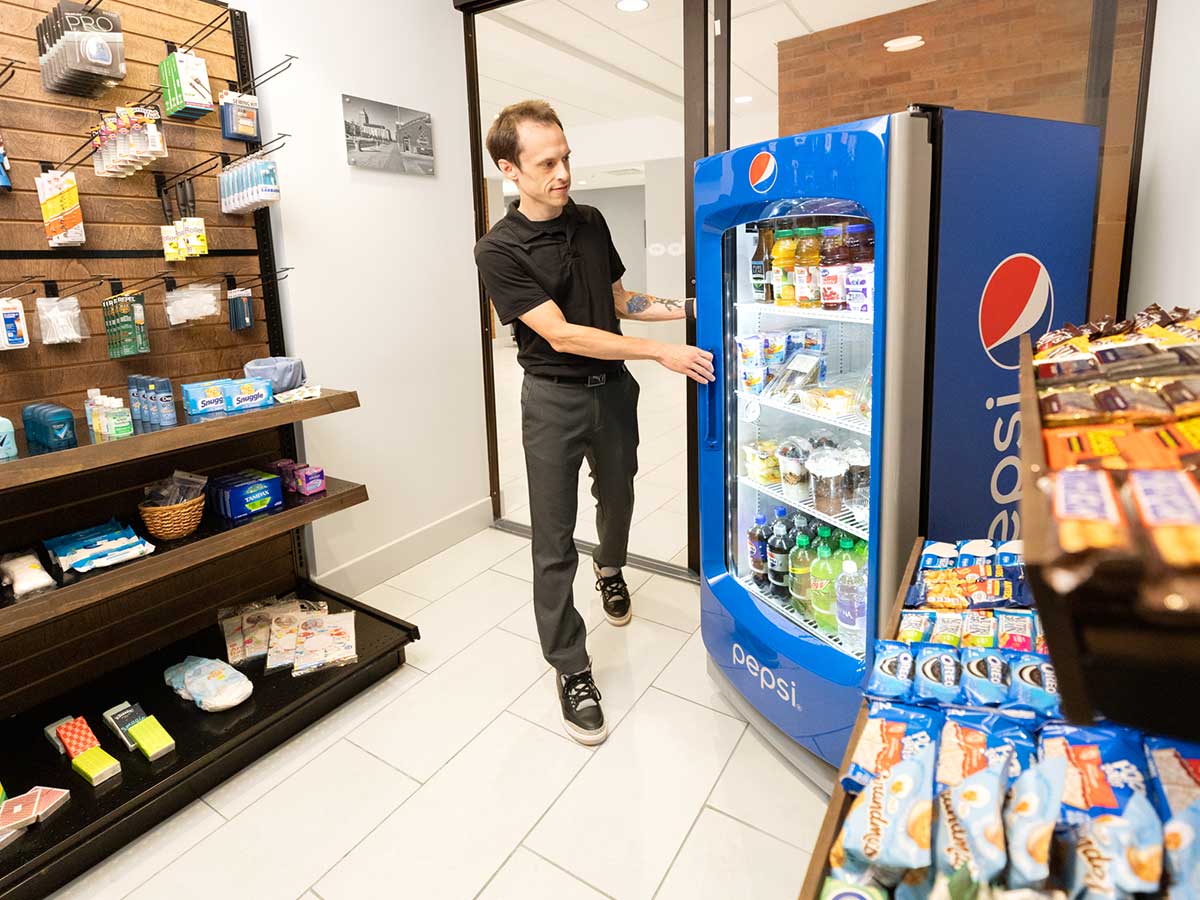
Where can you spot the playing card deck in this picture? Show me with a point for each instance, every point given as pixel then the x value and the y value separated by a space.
pixel 76 737
pixel 19 812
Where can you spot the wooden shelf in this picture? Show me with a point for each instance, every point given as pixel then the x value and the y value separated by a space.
pixel 213 540
pixel 28 470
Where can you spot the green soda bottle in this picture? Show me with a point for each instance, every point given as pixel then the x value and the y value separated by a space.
pixel 860 555
pixel 845 551
pixel 822 598
pixel 799 566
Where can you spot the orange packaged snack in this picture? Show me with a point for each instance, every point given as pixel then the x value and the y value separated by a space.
pixel 1093 446
pixel 1172 446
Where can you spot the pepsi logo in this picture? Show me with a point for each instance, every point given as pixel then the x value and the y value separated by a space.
pixel 1018 298
pixel 763 172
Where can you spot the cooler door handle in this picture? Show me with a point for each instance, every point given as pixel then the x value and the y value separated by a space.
pixel 710 413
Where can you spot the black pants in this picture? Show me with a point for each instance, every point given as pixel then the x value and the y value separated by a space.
pixel 563 424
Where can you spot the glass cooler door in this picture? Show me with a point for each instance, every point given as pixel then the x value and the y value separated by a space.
pixel 799 302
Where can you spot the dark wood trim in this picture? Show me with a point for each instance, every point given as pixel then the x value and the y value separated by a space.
pixel 167 562
pixel 1135 161
pixel 695 147
pixel 1095 100
pixel 29 470
pixel 486 337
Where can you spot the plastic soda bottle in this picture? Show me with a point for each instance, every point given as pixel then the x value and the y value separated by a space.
pixel 845 550
pixel 824 537
pixel 760 267
pixel 757 540
pixel 799 574
pixel 808 268
pixel 783 265
pixel 835 259
pixel 777 559
pixel 860 272
pixel 822 599
pixel 851 591
pixel 860 555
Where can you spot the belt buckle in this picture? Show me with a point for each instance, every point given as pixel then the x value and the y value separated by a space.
pixel 596 380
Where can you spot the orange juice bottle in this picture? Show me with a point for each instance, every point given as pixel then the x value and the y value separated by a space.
pixel 783 265
pixel 807 276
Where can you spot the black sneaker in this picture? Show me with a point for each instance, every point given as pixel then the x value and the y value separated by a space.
pixel 615 593
pixel 582 717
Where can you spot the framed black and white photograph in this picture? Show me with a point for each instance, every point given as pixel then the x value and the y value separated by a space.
pixel 387 137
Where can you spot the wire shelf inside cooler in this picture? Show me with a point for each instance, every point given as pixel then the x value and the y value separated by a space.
pixel 845 521
pixel 848 421
pixel 816 315
pixel 807 623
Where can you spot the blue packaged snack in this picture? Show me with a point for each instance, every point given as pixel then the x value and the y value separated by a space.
pixel 974 740
pixel 1174 768
pixel 970 828
pixel 1181 838
pixel 889 825
pixel 836 889
pixel 985 676
pixel 1106 767
pixel 892 673
pixel 1117 855
pixel 973 552
pixel 1033 805
pixel 938 674
pixel 1011 553
pixel 1033 684
pixel 893 732
pixel 939 555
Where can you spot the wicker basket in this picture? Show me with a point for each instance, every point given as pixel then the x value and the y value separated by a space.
pixel 170 523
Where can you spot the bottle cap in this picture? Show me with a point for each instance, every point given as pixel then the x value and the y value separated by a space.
pixel 783 233
pixel 806 232
pixel 824 550
pixel 857 228
pixel 802 540
pixel 849 567
pixel 831 230
pixel 846 543
pixel 824 531
pixel 780 512
pixel 760 519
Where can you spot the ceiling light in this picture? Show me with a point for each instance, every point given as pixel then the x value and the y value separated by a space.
pixel 632 5
pixel 745 98
pixel 900 44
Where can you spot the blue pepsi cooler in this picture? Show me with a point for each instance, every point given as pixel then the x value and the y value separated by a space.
pixel 962 261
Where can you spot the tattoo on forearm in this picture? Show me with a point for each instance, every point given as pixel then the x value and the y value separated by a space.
pixel 639 303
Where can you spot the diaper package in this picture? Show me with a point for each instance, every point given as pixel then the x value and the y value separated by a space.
pixel 215 685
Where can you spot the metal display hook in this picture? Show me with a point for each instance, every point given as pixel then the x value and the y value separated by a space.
pixel 98 279
pixel 10 285
pixel 205 30
pixel 9 72
pixel 257 81
pixel 278 276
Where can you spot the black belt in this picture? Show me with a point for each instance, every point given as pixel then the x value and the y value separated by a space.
pixel 586 380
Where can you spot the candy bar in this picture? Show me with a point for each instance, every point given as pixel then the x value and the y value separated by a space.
pixel 1092 446
pixel 1168 505
pixel 1087 512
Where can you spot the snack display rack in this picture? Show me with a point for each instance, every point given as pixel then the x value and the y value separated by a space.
pixel 1125 640
pixel 107 637
pixel 839 802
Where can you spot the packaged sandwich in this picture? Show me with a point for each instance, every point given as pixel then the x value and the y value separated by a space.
pixel 1168 505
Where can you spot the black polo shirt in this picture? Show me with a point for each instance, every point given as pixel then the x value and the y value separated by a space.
pixel 570 260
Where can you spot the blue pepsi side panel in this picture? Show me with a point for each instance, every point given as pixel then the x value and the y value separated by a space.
pixel 804 685
pixel 1014 250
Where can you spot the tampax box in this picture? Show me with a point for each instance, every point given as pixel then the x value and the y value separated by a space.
pixel 247 393
pixel 204 397
pixel 247 493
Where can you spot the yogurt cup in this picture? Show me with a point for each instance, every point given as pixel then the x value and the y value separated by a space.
pixel 754 378
pixel 775 347
pixel 750 350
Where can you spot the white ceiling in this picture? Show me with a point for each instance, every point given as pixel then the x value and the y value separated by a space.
pixel 597 64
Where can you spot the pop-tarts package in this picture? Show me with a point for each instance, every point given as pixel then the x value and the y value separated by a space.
pixel 973 740
pixel 986 676
pixel 1033 804
pixel 979 550
pixel 893 732
pixel 1033 684
pixel 970 827
pixel 892 673
pixel 890 823
pixel 939 555
pixel 938 675
pixel 1106 767
pixel 1117 855
pixel 1011 553
pixel 1181 838
pixel 916 626
pixel 1014 630
pixel 1174 768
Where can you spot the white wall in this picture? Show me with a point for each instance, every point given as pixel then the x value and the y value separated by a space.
pixel 384 296
pixel 624 209
pixel 665 260
pixel 1166 232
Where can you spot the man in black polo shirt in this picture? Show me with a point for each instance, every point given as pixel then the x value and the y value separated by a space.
pixel 551 267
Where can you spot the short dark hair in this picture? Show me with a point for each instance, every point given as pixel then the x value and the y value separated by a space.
pixel 502 140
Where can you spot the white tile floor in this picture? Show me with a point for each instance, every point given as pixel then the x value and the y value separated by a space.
pixel 452 777
pixel 660 492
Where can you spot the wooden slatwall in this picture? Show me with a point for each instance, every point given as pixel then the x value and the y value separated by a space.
pixel 122 219
pixel 120 215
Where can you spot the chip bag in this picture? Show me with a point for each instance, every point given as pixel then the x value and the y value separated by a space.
pixel 1033 806
pixel 1174 767
pixel 892 672
pixel 893 732
pixel 889 824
